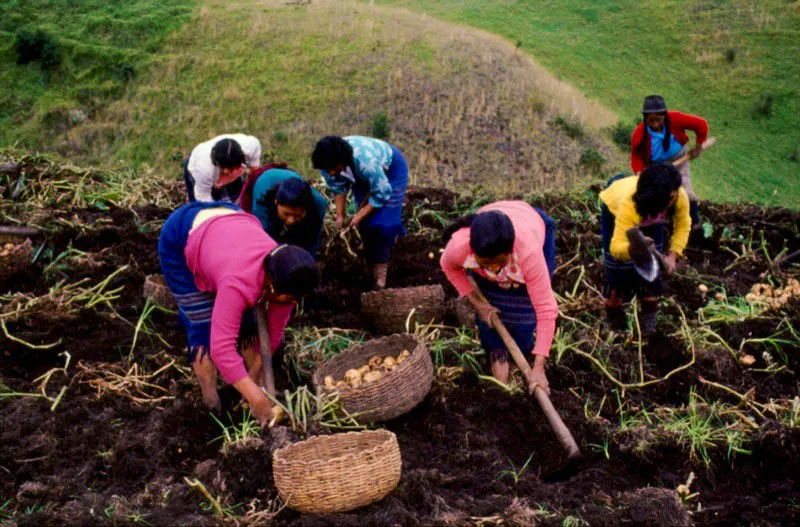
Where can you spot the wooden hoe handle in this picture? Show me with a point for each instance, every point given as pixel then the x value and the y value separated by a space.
pixel 550 412
pixel 263 342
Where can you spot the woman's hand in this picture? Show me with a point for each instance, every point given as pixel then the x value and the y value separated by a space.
pixel 671 262
pixel 261 409
pixel 485 310
pixel 537 377
pixel 362 213
pixel 340 221
pixel 695 152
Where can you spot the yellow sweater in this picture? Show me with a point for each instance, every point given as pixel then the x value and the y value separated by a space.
pixel 619 200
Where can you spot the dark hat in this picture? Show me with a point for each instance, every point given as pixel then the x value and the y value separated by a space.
pixel 654 104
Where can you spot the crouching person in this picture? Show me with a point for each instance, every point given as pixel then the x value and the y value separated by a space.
pixel 220 264
pixel 645 201
pixel 508 248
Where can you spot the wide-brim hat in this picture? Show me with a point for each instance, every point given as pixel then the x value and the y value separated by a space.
pixel 654 104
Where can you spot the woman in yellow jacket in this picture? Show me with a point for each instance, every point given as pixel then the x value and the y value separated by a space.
pixel 646 201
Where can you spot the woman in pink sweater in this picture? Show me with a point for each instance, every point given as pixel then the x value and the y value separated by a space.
pixel 508 247
pixel 220 264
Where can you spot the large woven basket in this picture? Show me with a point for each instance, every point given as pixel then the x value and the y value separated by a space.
pixel 14 258
pixel 396 392
pixel 337 473
pixel 388 309
pixel 155 288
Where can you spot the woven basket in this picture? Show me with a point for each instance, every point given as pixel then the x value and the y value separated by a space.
pixel 155 288
pixel 388 309
pixel 396 392
pixel 337 473
pixel 14 258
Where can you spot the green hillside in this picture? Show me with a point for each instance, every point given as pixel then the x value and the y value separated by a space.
pixel 734 62
pixel 62 60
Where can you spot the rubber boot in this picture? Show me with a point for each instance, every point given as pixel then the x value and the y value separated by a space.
pixel 647 318
pixel 615 318
pixel 380 270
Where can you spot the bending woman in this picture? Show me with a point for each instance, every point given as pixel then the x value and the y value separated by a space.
pixel 377 173
pixel 643 201
pixel 508 247
pixel 214 168
pixel 289 209
pixel 220 264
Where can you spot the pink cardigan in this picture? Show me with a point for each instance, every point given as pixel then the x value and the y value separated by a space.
pixel 530 231
pixel 226 256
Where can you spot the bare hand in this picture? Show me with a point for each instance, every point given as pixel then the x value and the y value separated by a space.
pixel 671 261
pixel 262 411
pixel 486 311
pixel 538 379
pixel 695 152
pixel 340 220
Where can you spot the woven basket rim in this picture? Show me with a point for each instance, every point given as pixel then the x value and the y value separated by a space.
pixel 398 370
pixel 282 455
pixel 382 292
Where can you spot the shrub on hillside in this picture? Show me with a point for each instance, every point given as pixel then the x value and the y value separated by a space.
pixel 381 128
pixel 763 105
pixel 573 129
pixel 593 161
pixel 621 134
pixel 37 45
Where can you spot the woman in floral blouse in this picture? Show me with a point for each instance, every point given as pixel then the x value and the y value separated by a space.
pixel 509 249
pixel 377 173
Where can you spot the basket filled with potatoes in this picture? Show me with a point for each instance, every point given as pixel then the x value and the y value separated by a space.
pixel 380 379
pixel 14 258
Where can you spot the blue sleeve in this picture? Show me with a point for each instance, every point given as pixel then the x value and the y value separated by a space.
pixel 337 185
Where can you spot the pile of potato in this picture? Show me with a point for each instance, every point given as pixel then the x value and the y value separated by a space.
pixel 775 298
pixel 373 370
pixel 7 249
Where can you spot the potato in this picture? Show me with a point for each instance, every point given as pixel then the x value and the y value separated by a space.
pixel 375 362
pixel 4 253
pixel 389 362
pixel 747 360
pixel 355 383
pixel 363 370
pixel 341 385
pixel 8 246
pixel 403 356
pixel 329 383
pixel 351 374
pixel 372 376
pixel 703 288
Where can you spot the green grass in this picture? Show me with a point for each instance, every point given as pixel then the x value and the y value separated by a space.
pixel 102 46
pixel 466 108
pixel 619 51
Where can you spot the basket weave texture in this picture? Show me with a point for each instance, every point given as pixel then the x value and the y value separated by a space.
pixel 339 472
pixel 17 259
pixel 155 288
pixel 388 309
pixel 396 392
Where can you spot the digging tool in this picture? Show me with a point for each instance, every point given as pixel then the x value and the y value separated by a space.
pixel 563 434
pixel 263 342
pixel 708 143
pixel 17 230
pixel 646 259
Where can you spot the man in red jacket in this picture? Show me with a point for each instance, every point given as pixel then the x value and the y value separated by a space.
pixel 662 137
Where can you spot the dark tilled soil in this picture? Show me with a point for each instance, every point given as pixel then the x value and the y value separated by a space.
pixel 111 461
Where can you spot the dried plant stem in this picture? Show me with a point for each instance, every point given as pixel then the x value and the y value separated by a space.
pixel 12 338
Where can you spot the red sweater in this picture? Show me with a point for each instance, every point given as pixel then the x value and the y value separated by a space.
pixel 678 124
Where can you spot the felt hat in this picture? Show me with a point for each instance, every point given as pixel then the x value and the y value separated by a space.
pixel 654 104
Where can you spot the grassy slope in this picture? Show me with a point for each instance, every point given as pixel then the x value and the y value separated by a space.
pixel 619 51
pixel 461 102
pixel 104 45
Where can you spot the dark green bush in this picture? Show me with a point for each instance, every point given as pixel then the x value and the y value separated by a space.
pixel 381 128
pixel 763 105
pixel 621 134
pixel 38 45
pixel 593 160
pixel 573 129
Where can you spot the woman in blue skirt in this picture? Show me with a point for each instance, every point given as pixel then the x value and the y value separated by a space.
pixel 377 173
